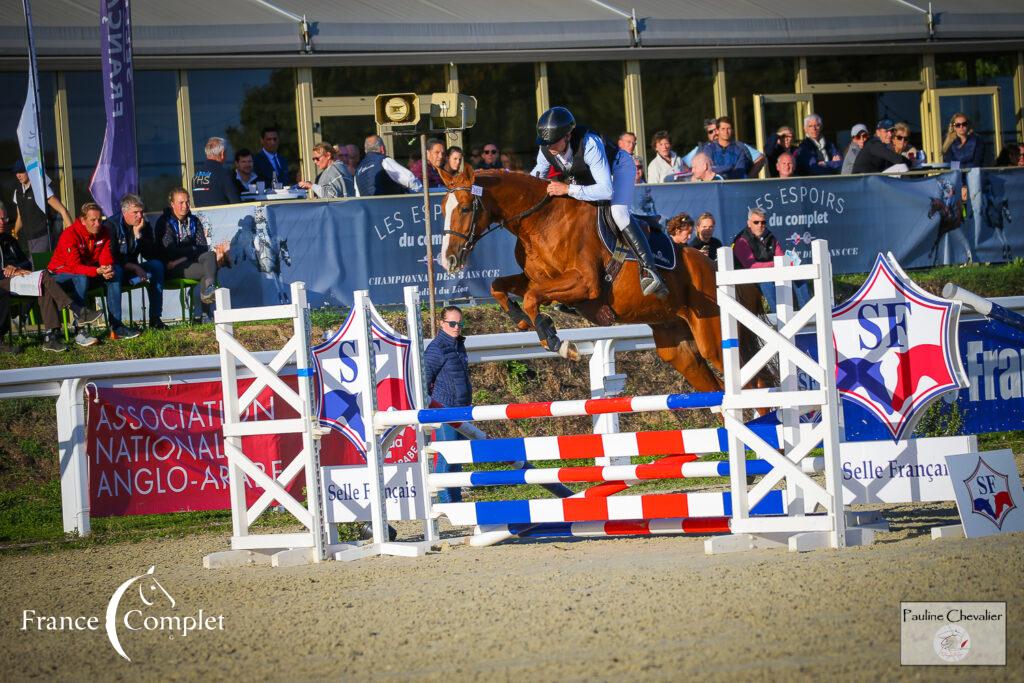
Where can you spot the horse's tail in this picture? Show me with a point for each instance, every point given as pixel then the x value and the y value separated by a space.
pixel 750 296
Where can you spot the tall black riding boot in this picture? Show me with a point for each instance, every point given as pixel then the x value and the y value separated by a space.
pixel 650 281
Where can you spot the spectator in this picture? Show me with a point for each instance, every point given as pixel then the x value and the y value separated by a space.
pixel 680 228
pixel 705 240
pixel 453 160
pixel 183 248
pixel 435 157
pixel 378 174
pixel 962 143
pixel 627 143
pixel 446 370
pixel 131 236
pixel 858 136
pixel 710 131
pixel 639 163
pixel 781 141
pixel 33 227
pixel 83 258
pixel 785 165
pixel 729 158
pixel 1010 155
pixel 331 181
pixel 352 158
pixel 490 158
pixel 271 167
pixel 756 247
pixel 475 157
pixel 666 163
pixel 702 172
pixel 901 143
pixel 13 263
pixel 245 177
pixel 212 184
pixel 876 157
pixel 510 162
pixel 816 155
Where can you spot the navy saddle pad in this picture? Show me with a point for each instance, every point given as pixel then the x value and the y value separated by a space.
pixel 661 244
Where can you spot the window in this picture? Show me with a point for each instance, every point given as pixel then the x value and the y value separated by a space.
pixel 957 71
pixel 592 91
pixel 678 96
pixel 238 104
pixel 506 109
pixel 156 136
pixel 749 75
pixel 863 68
pixel 367 81
pixel 86 127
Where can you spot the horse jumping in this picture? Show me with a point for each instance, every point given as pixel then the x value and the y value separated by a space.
pixel 563 260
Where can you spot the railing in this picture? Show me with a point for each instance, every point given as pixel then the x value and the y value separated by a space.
pixel 70 385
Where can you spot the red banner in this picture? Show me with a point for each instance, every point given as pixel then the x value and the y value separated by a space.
pixel 159 448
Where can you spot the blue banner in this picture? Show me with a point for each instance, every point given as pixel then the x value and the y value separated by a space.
pixel 337 247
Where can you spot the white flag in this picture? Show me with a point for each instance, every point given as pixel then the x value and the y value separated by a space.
pixel 28 129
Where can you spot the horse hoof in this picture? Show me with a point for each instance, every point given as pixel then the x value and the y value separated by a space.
pixel 523 326
pixel 568 350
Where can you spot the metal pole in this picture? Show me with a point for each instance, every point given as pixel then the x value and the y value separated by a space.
pixel 426 223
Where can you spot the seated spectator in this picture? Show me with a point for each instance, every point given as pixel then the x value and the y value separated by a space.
pixel 705 240
pixel 962 144
pixel 15 263
pixel 680 228
pixel 639 163
pixel 1010 155
pixel 756 247
pixel 702 172
pixel 33 227
pixel 332 179
pixel 212 184
pixel 475 157
pixel 876 157
pixel 779 142
pixel 83 258
pixel 729 158
pixel 785 165
pixel 270 166
pixel 182 246
pixel 858 136
pixel 901 144
pixel 352 158
pixel 378 174
pixel 245 177
pixel 816 155
pixel 131 236
pixel 491 157
pixel 666 163
pixel 453 160
pixel 510 162
pixel 435 157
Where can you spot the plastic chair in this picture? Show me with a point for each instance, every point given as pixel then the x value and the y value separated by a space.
pixel 186 296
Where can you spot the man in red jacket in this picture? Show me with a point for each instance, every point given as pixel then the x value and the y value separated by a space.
pixel 83 257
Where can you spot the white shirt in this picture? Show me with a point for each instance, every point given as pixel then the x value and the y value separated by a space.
pixel 594 155
pixel 659 169
pixel 400 174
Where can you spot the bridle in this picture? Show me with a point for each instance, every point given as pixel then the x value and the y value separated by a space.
pixel 471 238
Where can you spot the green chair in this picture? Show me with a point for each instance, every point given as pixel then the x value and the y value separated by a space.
pixel 186 296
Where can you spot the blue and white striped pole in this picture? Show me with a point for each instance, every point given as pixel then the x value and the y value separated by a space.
pixel 987 308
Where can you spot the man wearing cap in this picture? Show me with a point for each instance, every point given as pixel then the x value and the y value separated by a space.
pixel 32 226
pixel 876 156
pixel 858 136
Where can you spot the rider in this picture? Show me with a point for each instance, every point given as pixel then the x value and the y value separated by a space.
pixel 593 171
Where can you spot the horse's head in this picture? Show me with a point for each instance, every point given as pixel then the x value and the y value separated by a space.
pixel 466 218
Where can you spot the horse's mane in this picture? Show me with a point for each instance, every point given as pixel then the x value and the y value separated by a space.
pixel 529 184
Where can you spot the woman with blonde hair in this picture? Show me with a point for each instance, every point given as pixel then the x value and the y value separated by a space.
pixel 962 143
pixel 901 143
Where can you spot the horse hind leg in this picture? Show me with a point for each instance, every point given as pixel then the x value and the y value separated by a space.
pixel 677 347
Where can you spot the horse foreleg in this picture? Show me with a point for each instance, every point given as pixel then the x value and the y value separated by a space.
pixel 512 284
pixel 546 332
pixel 571 287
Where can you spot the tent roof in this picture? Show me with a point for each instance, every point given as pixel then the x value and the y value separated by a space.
pixel 69 28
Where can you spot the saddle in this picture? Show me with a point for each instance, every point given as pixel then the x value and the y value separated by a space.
pixel 661 244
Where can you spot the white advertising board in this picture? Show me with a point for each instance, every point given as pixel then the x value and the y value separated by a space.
pixel 904 472
pixel 988 492
pixel 346 493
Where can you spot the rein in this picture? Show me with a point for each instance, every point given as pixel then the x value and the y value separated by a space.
pixel 471 238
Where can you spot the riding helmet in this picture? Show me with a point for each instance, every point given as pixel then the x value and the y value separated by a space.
pixel 554 124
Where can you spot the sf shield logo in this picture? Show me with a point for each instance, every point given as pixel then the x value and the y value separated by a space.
pixel 990 493
pixel 896 348
pixel 340 375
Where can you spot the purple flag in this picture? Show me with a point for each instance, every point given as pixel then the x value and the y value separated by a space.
pixel 117 171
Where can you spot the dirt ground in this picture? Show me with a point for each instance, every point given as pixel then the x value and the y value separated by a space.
pixel 625 609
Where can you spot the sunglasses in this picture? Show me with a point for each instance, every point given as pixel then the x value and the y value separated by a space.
pixel 712 131
pixel 757 222
pixel 452 324
pixel 490 151
pixel 960 124
pixel 901 137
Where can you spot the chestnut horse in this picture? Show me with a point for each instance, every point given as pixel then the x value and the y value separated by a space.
pixel 563 260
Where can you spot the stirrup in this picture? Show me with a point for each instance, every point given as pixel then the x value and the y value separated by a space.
pixel 650 283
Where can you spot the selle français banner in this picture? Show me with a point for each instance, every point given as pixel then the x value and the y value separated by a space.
pixel 338 247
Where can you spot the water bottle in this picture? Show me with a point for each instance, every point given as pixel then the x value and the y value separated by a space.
pixel 273 182
pixel 921 156
pixel 135 280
